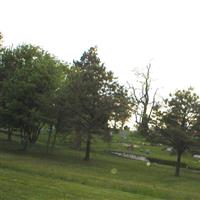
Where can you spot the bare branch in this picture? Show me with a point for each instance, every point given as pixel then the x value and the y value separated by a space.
pixel 153 103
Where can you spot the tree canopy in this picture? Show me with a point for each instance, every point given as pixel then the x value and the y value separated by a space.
pixel 176 123
pixel 92 98
pixel 30 77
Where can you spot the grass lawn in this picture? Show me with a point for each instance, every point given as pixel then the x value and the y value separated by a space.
pixel 33 175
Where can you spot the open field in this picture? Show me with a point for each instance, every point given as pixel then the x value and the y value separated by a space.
pixel 64 175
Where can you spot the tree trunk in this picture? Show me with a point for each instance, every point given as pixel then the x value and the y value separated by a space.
pixel 144 127
pixel 54 140
pixel 9 134
pixel 178 163
pixel 25 142
pixel 77 140
pixel 49 138
pixel 24 139
pixel 87 152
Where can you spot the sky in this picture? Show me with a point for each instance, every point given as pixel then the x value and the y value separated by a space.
pixel 129 34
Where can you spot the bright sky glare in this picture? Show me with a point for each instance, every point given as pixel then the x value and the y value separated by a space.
pixel 129 34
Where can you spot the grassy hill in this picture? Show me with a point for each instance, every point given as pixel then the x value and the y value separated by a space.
pixel 34 175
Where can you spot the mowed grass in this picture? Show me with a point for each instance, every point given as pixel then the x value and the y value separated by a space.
pixel 144 148
pixel 64 174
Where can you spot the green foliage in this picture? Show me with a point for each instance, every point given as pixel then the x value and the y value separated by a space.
pixel 90 98
pixel 122 107
pixel 176 125
pixel 184 109
pixel 32 78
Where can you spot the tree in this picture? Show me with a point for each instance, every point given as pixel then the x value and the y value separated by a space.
pixel 176 125
pixel 144 103
pixel 89 98
pixel 67 110
pixel 28 90
pixel 123 107
pixel 11 60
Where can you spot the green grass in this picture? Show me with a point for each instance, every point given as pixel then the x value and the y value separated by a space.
pixel 33 175
pixel 146 149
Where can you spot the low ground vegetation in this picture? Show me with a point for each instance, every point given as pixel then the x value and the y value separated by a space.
pixel 63 174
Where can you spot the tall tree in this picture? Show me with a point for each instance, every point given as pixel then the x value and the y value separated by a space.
pixel 145 102
pixel 176 123
pixel 90 98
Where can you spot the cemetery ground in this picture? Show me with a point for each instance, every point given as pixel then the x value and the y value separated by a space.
pixel 63 174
